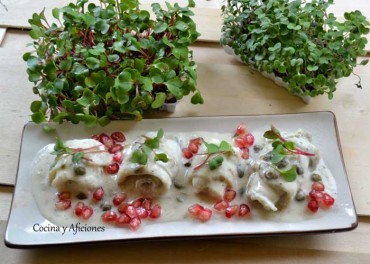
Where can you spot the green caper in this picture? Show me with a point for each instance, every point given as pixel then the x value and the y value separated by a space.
pixel 178 184
pixel 81 196
pixel 187 164
pixel 316 177
pixel 105 206
pixel 282 164
pixel 267 156
pixel 79 169
pixel 300 170
pixel 240 170
pixel 300 195
pixel 270 175
pixel 257 148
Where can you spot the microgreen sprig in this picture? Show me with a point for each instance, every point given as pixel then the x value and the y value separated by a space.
pixel 213 155
pixel 141 155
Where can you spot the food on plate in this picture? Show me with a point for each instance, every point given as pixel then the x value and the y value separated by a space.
pixel 126 179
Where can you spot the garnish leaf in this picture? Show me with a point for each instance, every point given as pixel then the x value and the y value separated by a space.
pixel 76 157
pixel 161 157
pixel 139 157
pixel 211 148
pixel 270 135
pixel 225 146
pixel 289 175
pixel 278 154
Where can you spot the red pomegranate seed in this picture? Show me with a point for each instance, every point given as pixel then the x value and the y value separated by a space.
pixel 109 143
pixel 115 148
pixel 98 194
pixel 137 202
pixel 195 209
pixel 229 195
pixel 103 138
pixel 241 129
pixel 96 137
pixel 142 212
pixel 244 210
pixel 313 206
pixel 328 200
pixel 118 157
pixel 318 186
pixel 135 223
pixel 111 168
pixel 64 196
pixel 187 153
pixel 193 148
pixel 239 142
pixel 248 139
pixel 205 215
pixel 63 205
pixel 231 210
pixel 245 153
pixel 131 211
pixel 109 216
pixel 316 195
pixel 156 211
pixel 196 141
pixel 122 208
pixel 119 198
pixel 118 136
pixel 147 203
pixel 123 219
pixel 78 208
pixel 87 212
pixel 221 205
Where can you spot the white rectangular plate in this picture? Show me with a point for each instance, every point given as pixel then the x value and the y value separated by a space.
pixel 322 125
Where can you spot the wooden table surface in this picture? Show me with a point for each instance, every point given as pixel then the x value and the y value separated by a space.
pixel 229 89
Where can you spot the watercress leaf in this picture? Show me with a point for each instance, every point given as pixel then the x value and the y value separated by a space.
pixel 92 63
pixel 278 154
pixel 197 98
pixel 174 86
pixel 90 120
pixel 113 58
pixel 77 157
pixel 55 12
pixel 182 26
pixel 160 134
pixel 160 27
pixel 289 145
pixel 139 157
pixel 180 52
pixel 364 62
pixel 289 175
pixel 159 100
pixel 103 121
pixel 147 149
pixel 36 106
pixel 276 143
pixel 270 135
pixel 38 117
pixel 147 83
pixel 211 148
pixel 161 157
pixel 225 147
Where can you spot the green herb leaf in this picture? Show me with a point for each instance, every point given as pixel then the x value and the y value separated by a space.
pixel 211 148
pixel 225 147
pixel 159 100
pixel 77 157
pixel 161 157
pixel 289 175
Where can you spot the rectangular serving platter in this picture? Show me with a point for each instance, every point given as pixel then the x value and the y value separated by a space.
pixel 25 214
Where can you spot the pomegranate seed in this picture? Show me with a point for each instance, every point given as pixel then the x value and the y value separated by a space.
pixel 193 148
pixel 196 141
pixel 187 153
pixel 229 195
pixel 147 203
pixel 241 129
pixel 63 205
pixel 328 200
pixel 245 153
pixel 109 216
pixel 111 168
pixel 244 210
pixel 109 143
pixel 98 194
pixel 248 139
pixel 239 142
pixel 78 208
pixel 221 205
pixel 87 212
pixel 135 223
pixel 119 198
pixel 231 210
pixel 96 137
pixel 318 186
pixel 142 212
pixel 118 157
pixel 131 211
pixel 115 148
pixel 103 138
pixel 313 206
pixel 64 196
pixel 137 202
pixel 122 208
pixel 118 136
pixel 123 219
pixel 316 195
pixel 195 209
pixel 205 215
pixel 155 212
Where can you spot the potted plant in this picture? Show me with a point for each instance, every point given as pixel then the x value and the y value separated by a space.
pixel 296 42
pixel 110 61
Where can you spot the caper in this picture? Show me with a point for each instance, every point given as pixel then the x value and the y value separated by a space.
pixel 257 148
pixel 177 184
pixel 267 156
pixel 270 175
pixel 300 170
pixel 81 196
pixel 187 164
pixel 241 191
pixel 300 195
pixel 240 170
pixel 316 177
pixel 282 164
pixel 105 206
pixel 79 169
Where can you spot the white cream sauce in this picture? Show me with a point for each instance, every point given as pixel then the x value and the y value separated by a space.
pixel 183 191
